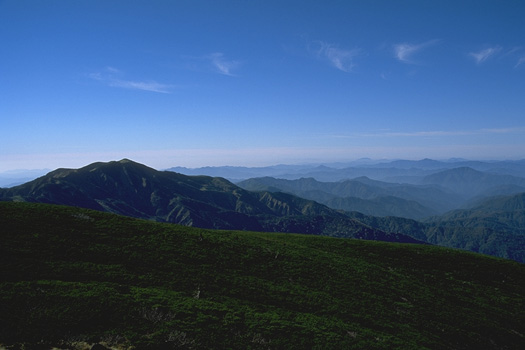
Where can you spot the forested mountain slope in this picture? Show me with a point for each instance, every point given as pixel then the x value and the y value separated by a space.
pixel 133 189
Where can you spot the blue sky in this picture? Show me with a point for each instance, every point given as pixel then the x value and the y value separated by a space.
pixel 253 83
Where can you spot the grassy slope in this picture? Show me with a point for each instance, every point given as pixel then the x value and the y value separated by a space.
pixel 71 274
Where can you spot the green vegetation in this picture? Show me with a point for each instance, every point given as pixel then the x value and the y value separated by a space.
pixel 70 275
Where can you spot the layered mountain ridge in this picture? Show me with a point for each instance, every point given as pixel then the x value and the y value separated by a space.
pixel 132 189
pixel 402 171
pixel 493 226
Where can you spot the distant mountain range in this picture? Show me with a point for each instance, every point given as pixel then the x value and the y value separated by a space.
pixel 469 183
pixel 135 190
pixel 17 177
pixel 357 208
pixel 362 194
pixel 436 194
pixel 400 171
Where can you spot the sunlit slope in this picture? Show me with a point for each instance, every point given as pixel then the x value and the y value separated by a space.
pixel 70 274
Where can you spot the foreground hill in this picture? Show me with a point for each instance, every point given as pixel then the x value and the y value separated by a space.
pixel 72 277
pixel 135 190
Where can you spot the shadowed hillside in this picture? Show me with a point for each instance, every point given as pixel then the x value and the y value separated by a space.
pixel 74 277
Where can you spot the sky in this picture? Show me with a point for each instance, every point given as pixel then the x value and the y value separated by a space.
pixel 259 82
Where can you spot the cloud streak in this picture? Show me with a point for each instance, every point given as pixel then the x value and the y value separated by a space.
pixel 342 59
pixel 483 55
pixel 504 54
pixel 111 77
pixel 453 132
pixel 521 60
pixel 222 65
pixel 141 85
pixel 404 52
pixel 436 133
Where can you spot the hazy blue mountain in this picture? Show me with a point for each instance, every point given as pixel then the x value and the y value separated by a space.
pixel 516 168
pixel 503 203
pixel 17 177
pixel 502 213
pixel 238 172
pixel 407 171
pixel 381 174
pixel 132 189
pixel 380 206
pixel 469 182
pixel 368 196
pixel 425 164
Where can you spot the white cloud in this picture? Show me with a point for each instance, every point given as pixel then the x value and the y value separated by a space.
pixel 222 65
pixel 342 59
pixel 141 85
pixel 111 77
pixel 460 132
pixel 514 54
pixel 215 62
pixel 404 52
pixel 483 55
pixel 520 61
pixel 428 133
pixel 113 70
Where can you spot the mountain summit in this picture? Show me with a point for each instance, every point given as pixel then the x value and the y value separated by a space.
pixel 132 189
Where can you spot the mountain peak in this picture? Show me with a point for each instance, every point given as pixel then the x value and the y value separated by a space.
pixel 128 188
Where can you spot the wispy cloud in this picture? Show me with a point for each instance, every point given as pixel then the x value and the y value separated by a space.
pixel 113 77
pixel 492 131
pixel 140 85
pixel 342 59
pixel 485 54
pixel 404 52
pixel 221 64
pixel 435 133
pixel 520 61
pixel 506 55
